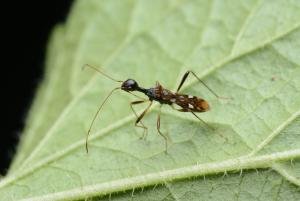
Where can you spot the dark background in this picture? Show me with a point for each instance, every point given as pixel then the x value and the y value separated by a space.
pixel 26 29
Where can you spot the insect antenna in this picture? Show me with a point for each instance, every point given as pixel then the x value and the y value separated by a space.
pixel 99 71
pixel 95 116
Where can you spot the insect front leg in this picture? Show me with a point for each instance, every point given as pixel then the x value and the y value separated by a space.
pixel 136 124
pixel 139 118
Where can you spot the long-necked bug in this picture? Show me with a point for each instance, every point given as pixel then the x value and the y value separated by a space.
pixel 186 103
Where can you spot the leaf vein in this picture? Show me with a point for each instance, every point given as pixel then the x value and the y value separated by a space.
pixel 262 161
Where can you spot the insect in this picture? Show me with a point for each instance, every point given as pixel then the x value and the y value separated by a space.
pixel 186 103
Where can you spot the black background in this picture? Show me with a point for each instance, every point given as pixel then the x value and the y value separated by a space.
pixel 26 27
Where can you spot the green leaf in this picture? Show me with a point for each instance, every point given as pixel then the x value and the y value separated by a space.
pixel 248 51
pixel 262 185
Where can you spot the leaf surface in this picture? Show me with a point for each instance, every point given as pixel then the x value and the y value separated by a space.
pixel 248 51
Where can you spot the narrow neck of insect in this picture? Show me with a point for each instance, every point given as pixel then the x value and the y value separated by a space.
pixel 141 89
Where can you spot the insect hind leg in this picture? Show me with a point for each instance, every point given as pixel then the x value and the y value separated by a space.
pixel 184 77
pixel 206 124
pixel 210 127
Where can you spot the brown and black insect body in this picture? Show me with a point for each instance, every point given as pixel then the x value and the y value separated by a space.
pixel 187 103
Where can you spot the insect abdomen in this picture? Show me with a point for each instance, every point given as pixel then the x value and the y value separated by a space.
pixel 201 105
pixel 191 103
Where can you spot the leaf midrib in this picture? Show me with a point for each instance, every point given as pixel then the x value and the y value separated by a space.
pixel 240 163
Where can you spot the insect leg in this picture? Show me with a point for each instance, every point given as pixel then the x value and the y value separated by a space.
pixel 194 74
pixel 183 80
pixel 209 126
pixel 142 125
pixel 139 118
pixel 158 128
pixel 202 121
